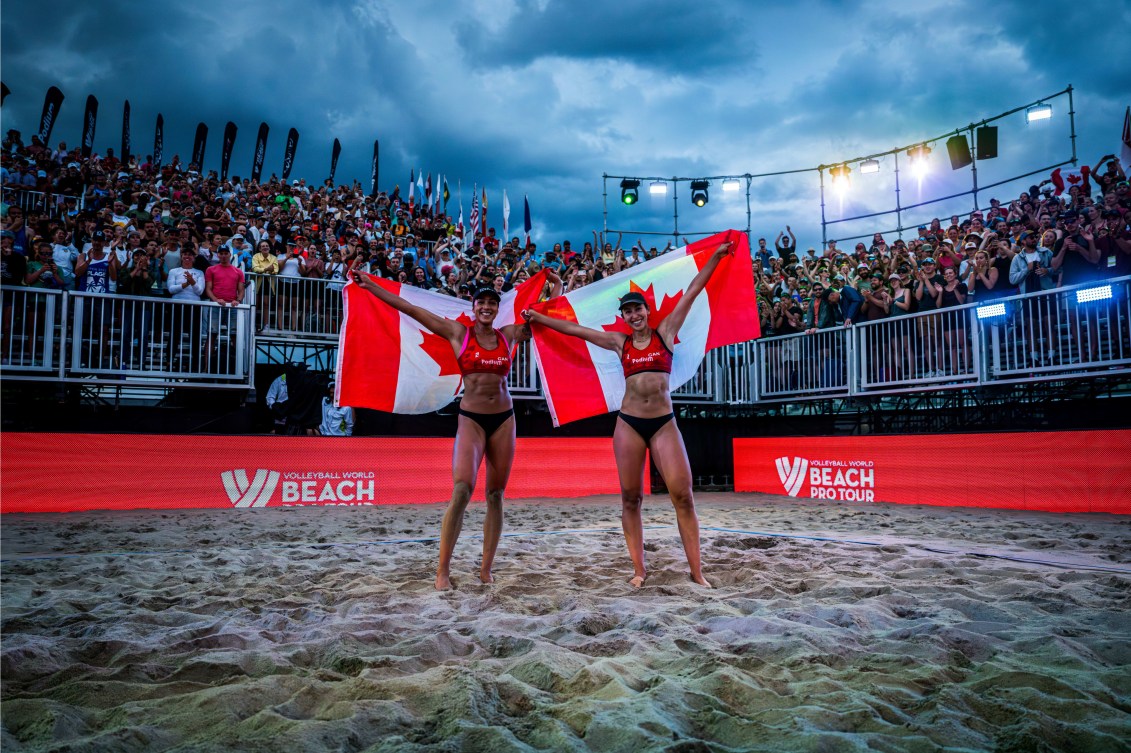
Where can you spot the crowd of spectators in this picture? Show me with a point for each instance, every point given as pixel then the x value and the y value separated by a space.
pixel 145 229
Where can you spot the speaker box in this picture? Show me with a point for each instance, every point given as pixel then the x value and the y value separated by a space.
pixel 987 142
pixel 959 150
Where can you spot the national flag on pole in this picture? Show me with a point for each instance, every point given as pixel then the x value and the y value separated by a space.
pixel 387 361
pixel 420 185
pixel 506 217
pixel 447 193
pixel 483 220
pixel 473 224
pixel 1125 151
pixel 411 185
pixel 526 217
pixel 581 380
pixel 428 190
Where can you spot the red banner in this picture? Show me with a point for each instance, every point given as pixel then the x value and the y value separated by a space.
pixel 1067 471
pixel 69 472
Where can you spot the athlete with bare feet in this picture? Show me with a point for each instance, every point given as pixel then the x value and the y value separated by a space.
pixel 646 420
pixel 485 428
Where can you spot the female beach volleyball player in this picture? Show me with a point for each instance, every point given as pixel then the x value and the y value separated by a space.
pixel 485 427
pixel 646 420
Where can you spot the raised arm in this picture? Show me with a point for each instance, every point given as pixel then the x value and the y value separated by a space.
pixel 669 327
pixel 445 328
pixel 613 341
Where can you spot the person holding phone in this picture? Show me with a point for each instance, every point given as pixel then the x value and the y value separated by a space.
pixel 646 420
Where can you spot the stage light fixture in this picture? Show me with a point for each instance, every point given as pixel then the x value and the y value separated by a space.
pixel 991 310
pixel 919 162
pixel 840 176
pixel 870 166
pixel 1038 112
pixel 657 187
pixel 732 184
pixel 1087 295
pixel 699 192
pixel 629 191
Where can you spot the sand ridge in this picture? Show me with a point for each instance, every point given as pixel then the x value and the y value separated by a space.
pixel 283 629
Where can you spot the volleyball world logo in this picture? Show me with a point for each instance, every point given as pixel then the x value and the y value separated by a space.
pixel 792 473
pixel 256 493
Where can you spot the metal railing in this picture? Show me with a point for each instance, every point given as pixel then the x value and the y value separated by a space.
pixel 159 338
pixel 38 201
pixel 297 306
pixel 918 350
pixel 30 336
pixel 1067 333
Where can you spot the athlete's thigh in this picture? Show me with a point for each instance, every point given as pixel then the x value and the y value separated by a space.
pixel 630 452
pixel 670 456
pixel 500 455
pixel 468 451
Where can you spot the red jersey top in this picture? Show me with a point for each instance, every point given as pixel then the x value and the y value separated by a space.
pixel 654 357
pixel 475 359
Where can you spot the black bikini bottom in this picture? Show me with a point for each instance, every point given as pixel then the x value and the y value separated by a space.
pixel 489 421
pixel 646 427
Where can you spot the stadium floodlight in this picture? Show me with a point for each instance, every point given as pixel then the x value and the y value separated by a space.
pixel 732 184
pixel 1038 112
pixel 919 162
pixel 1087 295
pixel 699 192
pixel 870 166
pixel 657 187
pixel 630 191
pixel 991 310
pixel 840 176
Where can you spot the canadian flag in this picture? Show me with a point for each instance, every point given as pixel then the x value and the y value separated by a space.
pixel 581 380
pixel 389 362
pixel 1063 180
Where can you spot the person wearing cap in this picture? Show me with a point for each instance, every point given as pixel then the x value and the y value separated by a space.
pixel 928 285
pixel 485 426
pixel 646 421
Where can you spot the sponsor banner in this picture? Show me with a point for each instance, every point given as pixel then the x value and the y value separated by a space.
pixel 159 140
pixel 289 152
pixel 124 155
pixel 89 121
pixel 71 472
pixel 199 142
pixel 52 101
pixel 226 149
pixel 373 167
pixel 335 152
pixel 1067 471
pixel 260 152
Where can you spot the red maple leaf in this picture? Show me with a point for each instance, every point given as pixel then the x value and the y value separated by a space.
pixel 440 350
pixel 655 314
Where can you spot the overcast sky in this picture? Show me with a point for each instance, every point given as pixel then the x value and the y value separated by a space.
pixel 543 97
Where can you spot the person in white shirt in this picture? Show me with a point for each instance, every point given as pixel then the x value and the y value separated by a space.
pixel 186 284
pixel 336 422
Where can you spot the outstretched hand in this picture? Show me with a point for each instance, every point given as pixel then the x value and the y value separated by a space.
pixel 726 247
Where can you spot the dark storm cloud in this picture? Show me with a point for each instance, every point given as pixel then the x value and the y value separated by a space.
pixel 684 38
pixel 543 97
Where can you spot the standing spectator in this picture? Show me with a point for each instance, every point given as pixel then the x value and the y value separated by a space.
pixel 224 286
pixel 137 315
pixel 953 293
pixel 65 256
pixel 185 283
pixel 277 403
pixel 982 277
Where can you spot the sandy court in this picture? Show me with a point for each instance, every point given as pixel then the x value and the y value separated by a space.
pixel 290 629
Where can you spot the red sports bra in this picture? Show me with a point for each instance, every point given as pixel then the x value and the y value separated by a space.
pixel 655 357
pixel 475 359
